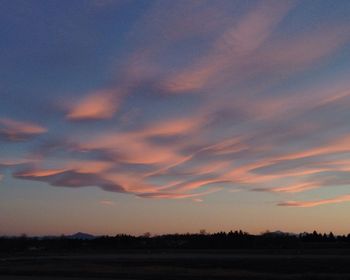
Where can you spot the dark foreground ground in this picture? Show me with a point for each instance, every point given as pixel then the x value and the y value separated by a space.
pixel 180 265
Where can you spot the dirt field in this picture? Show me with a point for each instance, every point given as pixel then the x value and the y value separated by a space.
pixel 183 266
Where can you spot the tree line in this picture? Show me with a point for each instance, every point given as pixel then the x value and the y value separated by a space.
pixel 202 240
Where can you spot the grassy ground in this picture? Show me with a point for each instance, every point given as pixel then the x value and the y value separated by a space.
pixel 184 266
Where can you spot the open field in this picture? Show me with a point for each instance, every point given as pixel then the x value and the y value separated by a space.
pixel 189 265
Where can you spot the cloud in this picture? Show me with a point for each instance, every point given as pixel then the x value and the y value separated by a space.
pixel 89 166
pixel 13 130
pixel 197 184
pixel 205 97
pixel 248 51
pixel 339 199
pixel 68 178
pixel 40 173
pixel 144 162
pixel 106 202
pixel 136 146
pixel 15 162
pixel 300 50
pixel 254 28
pixel 235 44
pixel 173 195
pixel 73 178
pixel 97 106
pixel 296 187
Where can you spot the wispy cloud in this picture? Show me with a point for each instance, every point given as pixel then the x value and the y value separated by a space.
pixel 339 199
pixel 40 173
pixel 215 87
pixel 137 147
pixel 173 195
pixel 13 130
pixel 106 202
pixel 234 47
pixel 296 187
pixel 15 162
pixel 69 178
pixel 97 106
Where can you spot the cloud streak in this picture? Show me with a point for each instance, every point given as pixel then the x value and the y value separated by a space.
pixel 235 44
pixel 13 130
pixel 69 178
pixel 339 199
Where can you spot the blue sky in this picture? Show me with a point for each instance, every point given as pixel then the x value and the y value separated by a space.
pixel 172 116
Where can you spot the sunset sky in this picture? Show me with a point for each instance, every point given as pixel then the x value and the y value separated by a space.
pixel 174 116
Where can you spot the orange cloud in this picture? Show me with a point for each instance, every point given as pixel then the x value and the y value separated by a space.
pixel 19 130
pixel 339 199
pixel 97 106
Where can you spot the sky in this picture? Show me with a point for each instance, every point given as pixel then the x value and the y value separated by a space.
pixel 174 116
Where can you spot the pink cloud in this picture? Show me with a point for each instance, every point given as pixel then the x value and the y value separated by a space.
pixel 174 195
pixel 135 146
pixel 13 130
pixel 88 166
pixel 69 178
pixel 254 28
pixel 108 181
pixel 197 184
pixel 234 45
pixel 301 50
pixel 338 145
pixel 247 50
pixel 246 47
pixel 301 187
pixel 97 106
pixel 37 173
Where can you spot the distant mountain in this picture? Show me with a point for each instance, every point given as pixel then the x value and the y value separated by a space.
pixel 82 236
pixel 278 233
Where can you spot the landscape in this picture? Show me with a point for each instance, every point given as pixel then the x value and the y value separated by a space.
pixel 174 139
pixel 232 255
